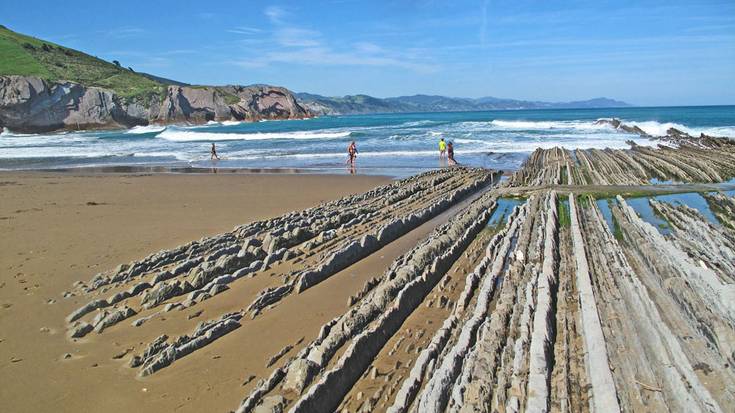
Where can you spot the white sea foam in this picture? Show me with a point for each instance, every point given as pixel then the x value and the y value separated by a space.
pixel 543 125
pixel 163 154
pixel 464 149
pixel 726 131
pixel 138 130
pixel 191 136
pixel 651 127
pixel 53 152
pixel 654 128
pixel 14 140
pixel 7 133
pixel 471 141
pixel 415 123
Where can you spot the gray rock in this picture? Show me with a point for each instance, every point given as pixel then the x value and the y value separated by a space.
pixel 30 104
pixel 81 330
pixel 81 312
pixel 113 318
pixel 271 404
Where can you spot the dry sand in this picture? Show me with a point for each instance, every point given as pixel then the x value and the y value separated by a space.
pixel 60 228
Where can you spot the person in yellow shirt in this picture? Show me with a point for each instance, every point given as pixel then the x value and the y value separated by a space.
pixel 442 148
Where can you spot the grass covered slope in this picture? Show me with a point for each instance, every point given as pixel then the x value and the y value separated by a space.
pixel 28 56
pixel 47 87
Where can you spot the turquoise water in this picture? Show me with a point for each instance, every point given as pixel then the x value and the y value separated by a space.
pixel 646 212
pixel 503 209
pixel 604 206
pixel 692 200
pixel 404 143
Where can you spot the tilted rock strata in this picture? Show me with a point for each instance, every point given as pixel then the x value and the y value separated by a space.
pixel 556 308
pixel 181 278
pixel 724 209
pixel 713 160
pixel 33 105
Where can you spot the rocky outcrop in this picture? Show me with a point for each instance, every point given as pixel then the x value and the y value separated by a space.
pixel 182 277
pixel 31 105
pixel 513 299
pixel 251 103
pixel 703 159
pixel 617 124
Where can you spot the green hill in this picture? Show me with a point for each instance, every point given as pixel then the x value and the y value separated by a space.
pixel 29 56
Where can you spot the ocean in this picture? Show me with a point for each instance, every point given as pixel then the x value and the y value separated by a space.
pixel 394 144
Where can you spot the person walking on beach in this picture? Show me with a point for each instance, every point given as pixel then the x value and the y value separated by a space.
pixel 442 148
pixel 450 154
pixel 351 153
pixel 213 153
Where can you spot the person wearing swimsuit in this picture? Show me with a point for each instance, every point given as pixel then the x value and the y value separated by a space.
pixel 351 153
pixel 450 154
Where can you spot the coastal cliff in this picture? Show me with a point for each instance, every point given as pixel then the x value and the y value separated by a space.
pixel 46 87
pixel 30 104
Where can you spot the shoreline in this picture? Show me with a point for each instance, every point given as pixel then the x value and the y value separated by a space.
pixel 195 170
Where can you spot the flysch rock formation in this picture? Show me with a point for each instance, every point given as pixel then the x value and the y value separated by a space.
pixel 573 302
pixel 703 159
pixel 292 245
pixel 32 105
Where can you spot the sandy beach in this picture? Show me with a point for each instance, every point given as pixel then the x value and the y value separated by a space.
pixel 59 228
pixel 367 207
pixel 307 293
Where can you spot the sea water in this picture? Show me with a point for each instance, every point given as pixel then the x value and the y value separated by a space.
pixel 397 144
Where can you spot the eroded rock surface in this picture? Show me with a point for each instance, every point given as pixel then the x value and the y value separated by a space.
pixel 31 105
pixel 571 303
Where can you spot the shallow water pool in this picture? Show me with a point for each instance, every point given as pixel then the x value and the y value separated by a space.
pixel 503 209
pixel 644 210
pixel 604 206
pixel 692 200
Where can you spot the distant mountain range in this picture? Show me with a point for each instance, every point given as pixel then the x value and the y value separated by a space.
pixel 356 104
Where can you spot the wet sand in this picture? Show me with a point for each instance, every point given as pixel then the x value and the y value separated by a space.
pixel 58 228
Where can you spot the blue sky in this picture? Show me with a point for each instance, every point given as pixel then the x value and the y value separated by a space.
pixel 643 52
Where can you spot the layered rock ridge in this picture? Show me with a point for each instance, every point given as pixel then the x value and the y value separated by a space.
pixel 32 105
pixel 574 286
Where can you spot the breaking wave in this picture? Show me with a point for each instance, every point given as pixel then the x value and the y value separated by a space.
pixel 651 127
pixel 544 125
pixel 654 128
pixel 139 130
pixel 191 136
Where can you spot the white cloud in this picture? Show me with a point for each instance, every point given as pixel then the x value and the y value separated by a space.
pixel 368 47
pixel 124 32
pixel 245 30
pixel 325 56
pixel 297 37
pixel 275 14
pixel 299 45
